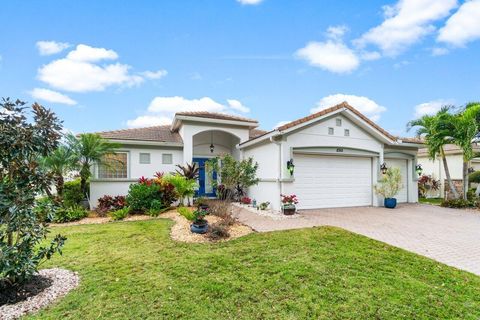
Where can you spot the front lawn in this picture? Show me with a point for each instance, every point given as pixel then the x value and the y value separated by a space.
pixel 132 270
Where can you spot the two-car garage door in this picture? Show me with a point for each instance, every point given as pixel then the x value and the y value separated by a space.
pixel 332 181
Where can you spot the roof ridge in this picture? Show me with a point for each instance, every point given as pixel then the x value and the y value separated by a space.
pixel 131 129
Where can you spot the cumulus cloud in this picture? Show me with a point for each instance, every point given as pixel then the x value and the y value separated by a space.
pixel 405 23
pixel 249 2
pixel 52 96
pixel 331 55
pixel 81 71
pixel 430 108
pixel 46 48
pixel 363 104
pixel 463 26
pixel 162 109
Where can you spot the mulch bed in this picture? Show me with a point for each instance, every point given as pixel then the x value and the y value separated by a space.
pixel 12 294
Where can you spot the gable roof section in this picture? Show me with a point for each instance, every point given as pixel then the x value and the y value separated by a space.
pixel 215 115
pixel 156 134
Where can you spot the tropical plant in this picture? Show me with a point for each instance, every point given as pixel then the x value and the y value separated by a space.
pixel 427 183
pixel 69 214
pixel 140 196
pixel 120 214
pixel 465 129
pixel 108 203
pixel 72 192
pixel 186 212
pixel 184 187
pixel 235 175
pixel 436 131
pixel 89 148
pixel 189 171
pixel 245 200
pixel 264 205
pixel 59 163
pixel 23 244
pixel 390 183
pixel 199 216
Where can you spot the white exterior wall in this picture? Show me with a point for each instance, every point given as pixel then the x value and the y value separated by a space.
pixel 135 170
pixel 436 169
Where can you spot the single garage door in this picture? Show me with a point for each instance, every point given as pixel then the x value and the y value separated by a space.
pixel 402 195
pixel 332 181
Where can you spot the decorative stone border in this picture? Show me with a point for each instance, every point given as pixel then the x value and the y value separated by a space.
pixel 273 214
pixel 63 281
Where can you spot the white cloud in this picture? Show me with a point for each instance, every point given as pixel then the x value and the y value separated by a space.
pixel 237 105
pixel 52 96
pixel 405 23
pixel 463 26
pixel 249 2
pixel 370 55
pixel 363 104
pixel 439 51
pixel 430 108
pixel 46 48
pixel 148 121
pixel 155 74
pixel 80 71
pixel 162 109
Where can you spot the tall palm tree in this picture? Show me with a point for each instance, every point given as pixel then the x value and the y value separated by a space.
pixel 464 133
pixel 437 132
pixel 59 163
pixel 90 148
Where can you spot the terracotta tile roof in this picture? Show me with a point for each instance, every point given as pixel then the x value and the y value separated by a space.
pixel 215 115
pixel 332 109
pixel 157 133
pixel 254 133
pixel 411 140
pixel 449 149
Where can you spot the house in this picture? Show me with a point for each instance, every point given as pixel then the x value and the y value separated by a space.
pixel 337 154
pixel 435 168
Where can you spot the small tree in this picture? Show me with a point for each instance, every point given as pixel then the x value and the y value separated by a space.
pixel 390 184
pixel 184 187
pixel 22 144
pixel 59 163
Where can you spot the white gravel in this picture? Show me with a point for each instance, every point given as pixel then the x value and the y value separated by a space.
pixel 270 213
pixel 62 282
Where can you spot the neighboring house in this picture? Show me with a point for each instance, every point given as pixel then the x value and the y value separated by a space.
pixel 435 168
pixel 337 155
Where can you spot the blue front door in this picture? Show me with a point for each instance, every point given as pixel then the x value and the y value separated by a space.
pixel 206 179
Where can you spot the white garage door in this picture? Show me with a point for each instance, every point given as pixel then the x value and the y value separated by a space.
pixel 402 195
pixel 331 181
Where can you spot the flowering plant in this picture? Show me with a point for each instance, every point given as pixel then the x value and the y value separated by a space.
pixel 289 199
pixel 246 200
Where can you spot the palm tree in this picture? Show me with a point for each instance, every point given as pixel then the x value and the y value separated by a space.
pixel 89 148
pixel 59 163
pixel 464 133
pixel 437 132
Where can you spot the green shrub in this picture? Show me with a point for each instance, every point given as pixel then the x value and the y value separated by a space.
pixel 140 196
pixel 44 209
pixel 456 203
pixel 155 208
pixel 186 212
pixel 72 193
pixel 474 177
pixel 69 214
pixel 120 214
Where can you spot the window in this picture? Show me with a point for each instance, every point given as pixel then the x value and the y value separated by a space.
pixel 114 166
pixel 167 158
pixel 339 122
pixel 346 133
pixel 145 158
pixel 331 131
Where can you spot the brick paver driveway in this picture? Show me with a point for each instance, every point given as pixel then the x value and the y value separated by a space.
pixel 449 236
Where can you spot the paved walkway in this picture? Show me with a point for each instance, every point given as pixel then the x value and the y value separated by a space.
pixel 449 236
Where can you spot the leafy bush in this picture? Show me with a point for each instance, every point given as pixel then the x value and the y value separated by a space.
pixel 156 207
pixel 264 205
pixel 427 183
pixel 44 209
pixel 390 183
pixel 72 192
pixel 218 231
pixel 120 214
pixel 186 212
pixel 184 187
pixel 142 194
pixel 474 177
pixel 456 203
pixel 69 214
pixel 109 203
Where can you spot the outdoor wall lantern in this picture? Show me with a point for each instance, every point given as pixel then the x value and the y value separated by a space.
pixel 383 168
pixel 212 147
pixel 290 166
pixel 419 169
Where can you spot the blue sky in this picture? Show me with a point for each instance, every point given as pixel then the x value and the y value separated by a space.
pixel 105 65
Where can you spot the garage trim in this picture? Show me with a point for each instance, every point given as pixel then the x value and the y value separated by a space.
pixel 337 151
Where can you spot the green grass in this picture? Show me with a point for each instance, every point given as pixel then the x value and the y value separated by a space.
pixel 433 201
pixel 132 270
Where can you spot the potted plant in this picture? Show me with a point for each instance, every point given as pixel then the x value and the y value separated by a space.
pixel 202 203
pixel 389 186
pixel 245 200
pixel 199 224
pixel 288 204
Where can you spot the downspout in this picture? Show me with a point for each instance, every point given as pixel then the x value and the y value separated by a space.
pixel 279 179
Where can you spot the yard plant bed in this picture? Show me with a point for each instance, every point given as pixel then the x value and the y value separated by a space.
pixel 133 270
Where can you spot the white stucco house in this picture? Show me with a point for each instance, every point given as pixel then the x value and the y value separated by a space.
pixel 337 155
pixel 435 168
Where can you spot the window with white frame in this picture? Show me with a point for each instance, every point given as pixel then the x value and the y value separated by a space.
pixel 114 166
pixel 144 158
pixel 338 122
pixel 331 131
pixel 346 133
pixel 167 158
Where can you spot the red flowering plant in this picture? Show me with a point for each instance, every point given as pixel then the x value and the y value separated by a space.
pixel 288 203
pixel 245 200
